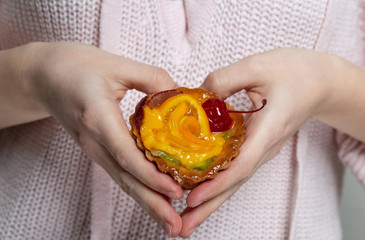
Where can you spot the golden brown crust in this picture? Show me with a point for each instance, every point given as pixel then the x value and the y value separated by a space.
pixel 189 178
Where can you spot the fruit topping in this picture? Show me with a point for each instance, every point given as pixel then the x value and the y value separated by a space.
pixel 179 127
pixel 159 98
pixel 218 114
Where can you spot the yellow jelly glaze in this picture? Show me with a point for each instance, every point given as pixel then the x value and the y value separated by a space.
pixel 180 128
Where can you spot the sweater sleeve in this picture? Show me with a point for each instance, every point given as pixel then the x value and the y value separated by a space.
pixel 351 151
pixel 352 154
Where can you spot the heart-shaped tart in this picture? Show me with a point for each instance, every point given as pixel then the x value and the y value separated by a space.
pixel 189 133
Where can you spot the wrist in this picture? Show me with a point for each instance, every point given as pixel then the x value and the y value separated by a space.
pixel 30 75
pixel 344 105
pixel 19 102
pixel 333 85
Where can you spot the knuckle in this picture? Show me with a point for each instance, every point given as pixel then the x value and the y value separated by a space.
pixel 154 204
pixel 126 182
pixel 122 159
pixel 88 119
pixel 215 81
pixel 125 160
pixel 161 77
pixel 246 170
pixel 256 65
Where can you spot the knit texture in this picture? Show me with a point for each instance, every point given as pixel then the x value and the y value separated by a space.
pixel 46 187
pixel 44 184
pixel 49 21
pixel 45 190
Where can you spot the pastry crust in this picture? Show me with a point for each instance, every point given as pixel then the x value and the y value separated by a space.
pixel 189 178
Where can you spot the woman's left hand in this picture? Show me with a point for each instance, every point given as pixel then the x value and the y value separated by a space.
pixel 298 84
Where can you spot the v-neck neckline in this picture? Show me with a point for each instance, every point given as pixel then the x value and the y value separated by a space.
pixel 184 22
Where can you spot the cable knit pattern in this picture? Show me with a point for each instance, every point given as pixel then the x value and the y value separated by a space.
pixel 293 196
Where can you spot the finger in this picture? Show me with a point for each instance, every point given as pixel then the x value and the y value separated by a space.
pixel 155 204
pixel 241 169
pixel 143 77
pixel 193 217
pixel 126 153
pixel 228 80
pixel 112 131
pixel 258 148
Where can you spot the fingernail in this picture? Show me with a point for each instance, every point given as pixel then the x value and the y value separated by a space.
pixel 167 227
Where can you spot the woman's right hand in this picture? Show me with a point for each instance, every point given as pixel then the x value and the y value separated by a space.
pixel 81 86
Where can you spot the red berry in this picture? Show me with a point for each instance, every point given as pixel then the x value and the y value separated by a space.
pixel 217 113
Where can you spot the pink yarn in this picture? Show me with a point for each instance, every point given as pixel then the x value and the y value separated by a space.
pixel 50 190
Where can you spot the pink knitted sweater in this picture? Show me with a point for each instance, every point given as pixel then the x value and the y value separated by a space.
pixel 50 190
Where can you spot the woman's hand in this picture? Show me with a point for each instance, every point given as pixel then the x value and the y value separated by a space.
pixel 298 84
pixel 81 86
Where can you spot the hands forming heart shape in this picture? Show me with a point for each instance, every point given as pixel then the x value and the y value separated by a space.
pixel 81 87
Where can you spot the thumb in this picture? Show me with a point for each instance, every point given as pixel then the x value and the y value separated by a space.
pixel 144 77
pixel 233 78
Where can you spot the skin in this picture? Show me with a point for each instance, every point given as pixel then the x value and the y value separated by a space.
pixel 36 78
pixel 296 82
pixel 39 80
